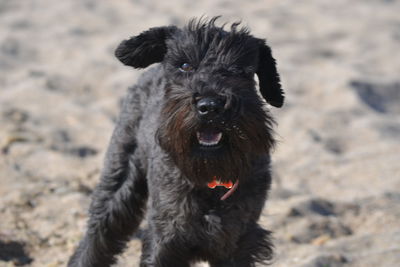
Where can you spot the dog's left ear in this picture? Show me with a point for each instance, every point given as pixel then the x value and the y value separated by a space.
pixel 146 48
pixel 268 77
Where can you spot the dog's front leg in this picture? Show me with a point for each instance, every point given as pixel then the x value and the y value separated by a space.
pixel 164 253
pixel 117 206
pixel 254 246
pixel 167 255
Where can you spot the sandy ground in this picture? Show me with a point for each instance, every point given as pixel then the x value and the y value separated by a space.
pixel 335 200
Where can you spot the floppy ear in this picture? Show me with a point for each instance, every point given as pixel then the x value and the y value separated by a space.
pixel 145 49
pixel 268 77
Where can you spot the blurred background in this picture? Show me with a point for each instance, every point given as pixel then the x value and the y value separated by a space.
pixel 335 200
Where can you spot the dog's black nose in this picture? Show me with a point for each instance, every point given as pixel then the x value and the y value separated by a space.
pixel 209 107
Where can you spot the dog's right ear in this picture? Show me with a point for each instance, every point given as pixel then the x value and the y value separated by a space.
pixel 145 49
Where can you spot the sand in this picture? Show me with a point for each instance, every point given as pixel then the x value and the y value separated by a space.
pixel 335 199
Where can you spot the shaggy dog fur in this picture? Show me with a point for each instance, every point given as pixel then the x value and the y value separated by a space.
pixel 195 118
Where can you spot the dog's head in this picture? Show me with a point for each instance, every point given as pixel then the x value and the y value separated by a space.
pixel 213 121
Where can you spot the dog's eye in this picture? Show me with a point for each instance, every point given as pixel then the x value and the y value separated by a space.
pixel 186 67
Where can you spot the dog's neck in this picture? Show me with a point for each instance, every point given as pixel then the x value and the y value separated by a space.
pixel 230 185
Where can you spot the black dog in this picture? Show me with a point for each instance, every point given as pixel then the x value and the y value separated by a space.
pixel 192 148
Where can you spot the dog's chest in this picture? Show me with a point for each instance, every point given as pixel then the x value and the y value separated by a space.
pixel 196 216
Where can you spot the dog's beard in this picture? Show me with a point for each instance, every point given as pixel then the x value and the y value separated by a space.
pixel 201 154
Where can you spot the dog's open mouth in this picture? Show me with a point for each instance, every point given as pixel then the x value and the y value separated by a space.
pixel 209 137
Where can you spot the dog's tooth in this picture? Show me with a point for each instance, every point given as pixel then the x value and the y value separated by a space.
pixel 219 137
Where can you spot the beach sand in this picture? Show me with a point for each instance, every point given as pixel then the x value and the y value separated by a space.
pixel 335 199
